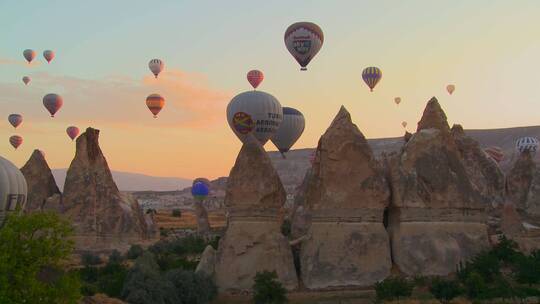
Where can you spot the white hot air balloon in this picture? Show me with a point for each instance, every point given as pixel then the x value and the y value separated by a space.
pixel 156 66
pixel 48 55
pixel 290 130
pixel 529 144
pixel 13 189
pixel 254 112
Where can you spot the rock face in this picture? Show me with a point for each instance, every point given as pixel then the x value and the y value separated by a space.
pixel 102 216
pixel 347 244
pixel 441 190
pixel 253 241
pixel 41 183
pixel 208 262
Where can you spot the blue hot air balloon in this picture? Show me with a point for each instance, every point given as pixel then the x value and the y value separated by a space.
pixel 200 190
pixel 371 76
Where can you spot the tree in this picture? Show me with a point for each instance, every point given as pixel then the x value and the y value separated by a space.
pixel 192 288
pixel 445 290
pixel 32 250
pixel 268 290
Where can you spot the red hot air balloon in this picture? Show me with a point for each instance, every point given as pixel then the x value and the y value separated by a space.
pixel 255 77
pixel 304 40
pixel 48 55
pixel 53 103
pixel 72 132
pixel 155 103
pixel 15 120
pixel 15 141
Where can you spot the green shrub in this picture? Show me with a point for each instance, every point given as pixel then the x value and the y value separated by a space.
pixel 214 242
pixel 111 279
pixel 177 213
pixel 393 288
pixel 527 270
pixel 134 252
pixel 505 250
pixel 192 288
pixel 163 232
pixel 267 289
pixel 445 290
pixel 286 227
pixel 168 261
pixel 475 285
pixel 115 257
pixel 486 264
pixel 90 259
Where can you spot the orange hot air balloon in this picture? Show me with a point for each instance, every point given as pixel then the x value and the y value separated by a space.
pixel 15 141
pixel 155 103
pixel 72 132
pixel 255 77
pixel 397 100
pixel 29 55
pixel 404 124
pixel 450 88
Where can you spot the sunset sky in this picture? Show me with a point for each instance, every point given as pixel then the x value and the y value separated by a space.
pixel 489 49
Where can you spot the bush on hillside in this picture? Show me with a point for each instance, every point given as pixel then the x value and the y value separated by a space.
pixel 267 289
pixel 192 288
pixel 134 252
pixel 90 259
pixel 445 290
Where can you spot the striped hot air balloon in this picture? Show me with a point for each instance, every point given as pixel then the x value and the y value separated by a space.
pixel 15 120
pixel 156 66
pixel 53 103
pixel 527 144
pixel 304 40
pixel 290 130
pixel 155 103
pixel 15 141
pixel 371 76
pixel 495 153
pixel 255 77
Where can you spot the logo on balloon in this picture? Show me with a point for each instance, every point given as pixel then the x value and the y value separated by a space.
pixel 242 123
pixel 302 46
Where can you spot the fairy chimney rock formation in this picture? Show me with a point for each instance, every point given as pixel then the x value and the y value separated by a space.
pixel 102 216
pixel 440 194
pixel 346 195
pixel 253 241
pixel 40 180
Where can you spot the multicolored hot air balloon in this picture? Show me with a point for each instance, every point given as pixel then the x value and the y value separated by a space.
pixel 155 103
pixel 371 76
pixel 450 88
pixel 404 124
pixel 29 55
pixel 397 100
pixel 527 144
pixel 290 130
pixel 48 55
pixel 15 120
pixel 26 80
pixel 15 141
pixel 254 112
pixel 200 191
pixel 304 40
pixel 53 103
pixel 495 153
pixel 13 189
pixel 255 77
pixel 156 66
pixel 72 132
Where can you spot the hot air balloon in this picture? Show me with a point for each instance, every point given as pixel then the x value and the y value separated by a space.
pixel 15 120
pixel 48 55
pixel 200 191
pixel 397 100
pixel 13 189
pixel 290 130
pixel 201 180
pixel 15 141
pixel 72 132
pixel 404 124
pixel 527 144
pixel 304 40
pixel 495 153
pixel 53 103
pixel 254 112
pixel 255 77
pixel 26 80
pixel 156 66
pixel 155 103
pixel 371 76
pixel 29 55
pixel 450 88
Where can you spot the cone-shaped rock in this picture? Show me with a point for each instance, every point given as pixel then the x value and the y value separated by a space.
pixel 253 241
pixel 102 216
pixel 346 195
pixel 437 217
pixel 522 181
pixel 40 180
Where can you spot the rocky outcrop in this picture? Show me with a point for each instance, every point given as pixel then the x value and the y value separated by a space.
pixel 440 193
pixel 41 183
pixel 102 216
pixel 252 241
pixel 207 262
pixel 347 244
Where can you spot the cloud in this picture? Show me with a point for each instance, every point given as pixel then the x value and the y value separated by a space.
pixel 22 62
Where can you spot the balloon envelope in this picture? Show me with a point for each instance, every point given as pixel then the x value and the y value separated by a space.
pixel 450 88
pixel 26 80
pixel 290 130
pixel 15 120
pixel 53 103
pixel 254 112
pixel 29 55
pixel 200 190
pixel 371 76
pixel 397 100
pixel 255 77
pixel 13 189
pixel 72 132
pixel 155 103
pixel 404 124
pixel 156 66
pixel 204 180
pixel 304 40
pixel 15 141
pixel 527 144
pixel 48 55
